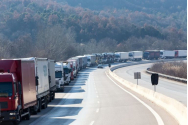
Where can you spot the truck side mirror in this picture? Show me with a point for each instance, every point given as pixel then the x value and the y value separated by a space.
pixel 36 80
pixel 154 79
pixel 49 79
pixel 19 88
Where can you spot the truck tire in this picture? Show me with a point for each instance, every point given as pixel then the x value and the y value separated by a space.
pixel 18 120
pixel 45 103
pixel 53 96
pixel 27 117
pixel 40 105
pixel 50 97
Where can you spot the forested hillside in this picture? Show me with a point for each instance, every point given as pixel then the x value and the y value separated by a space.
pixel 60 29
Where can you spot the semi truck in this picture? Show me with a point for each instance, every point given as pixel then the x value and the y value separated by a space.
pixel 52 84
pixel 90 60
pixel 72 69
pixel 67 72
pixel 151 54
pixel 135 55
pixel 84 61
pixel 167 54
pixel 42 81
pixel 75 66
pixel 180 53
pixel 79 59
pixel 18 95
pixel 121 56
pixel 59 76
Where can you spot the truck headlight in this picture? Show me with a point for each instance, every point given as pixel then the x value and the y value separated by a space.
pixel 12 113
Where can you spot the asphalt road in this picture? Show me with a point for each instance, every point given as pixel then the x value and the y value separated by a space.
pixel 94 98
pixel 173 89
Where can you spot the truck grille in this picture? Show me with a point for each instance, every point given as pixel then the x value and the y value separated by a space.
pixel 3 105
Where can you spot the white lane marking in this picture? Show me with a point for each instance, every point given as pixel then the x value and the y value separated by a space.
pixel 97 110
pixel 92 123
pixel 98 102
pixel 158 118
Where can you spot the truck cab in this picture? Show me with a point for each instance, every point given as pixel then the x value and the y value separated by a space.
pixel 67 72
pixel 59 76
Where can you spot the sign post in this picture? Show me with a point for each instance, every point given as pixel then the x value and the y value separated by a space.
pixel 154 80
pixel 137 75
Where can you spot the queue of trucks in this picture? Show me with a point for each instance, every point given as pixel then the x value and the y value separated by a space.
pixel 28 84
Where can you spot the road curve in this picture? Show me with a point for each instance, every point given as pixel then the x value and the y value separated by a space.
pixel 94 98
pixel 173 89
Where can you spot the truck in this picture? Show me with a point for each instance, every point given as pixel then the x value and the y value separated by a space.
pixel 180 53
pixel 52 84
pixel 151 54
pixel 75 66
pixel 84 61
pixel 67 72
pixel 72 69
pixel 79 59
pixel 167 54
pixel 42 81
pixel 59 76
pixel 121 56
pixel 90 60
pixel 135 55
pixel 18 95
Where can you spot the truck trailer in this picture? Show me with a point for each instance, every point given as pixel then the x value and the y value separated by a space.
pixel 151 54
pixel 121 56
pixel 67 72
pixel 52 84
pixel 135 55
pixel 180 53
pixel 167 54
pixel 18 95
pixel 42 81
pixel 91 60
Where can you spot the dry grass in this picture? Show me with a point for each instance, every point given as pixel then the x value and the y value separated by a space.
pixel 177 69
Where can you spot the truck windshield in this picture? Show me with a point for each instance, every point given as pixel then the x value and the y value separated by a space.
pixel 58 74
pixel 66 70
pixel 6 89
pixel 117 56
pixel 161 53
pixel 88 60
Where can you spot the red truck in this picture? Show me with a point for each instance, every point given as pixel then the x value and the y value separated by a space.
pixel 72 69
pixel 151 54
pixel 17 90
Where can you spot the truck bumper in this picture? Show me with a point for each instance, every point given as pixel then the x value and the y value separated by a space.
pixel 6 116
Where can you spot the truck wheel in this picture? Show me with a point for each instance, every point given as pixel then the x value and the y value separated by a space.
pixel 50 97
pixel 18 120
pixel 39 102
pixel 45 103
pixel 53 96
pixel 27 117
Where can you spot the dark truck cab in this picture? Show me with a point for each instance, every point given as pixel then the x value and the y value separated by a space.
pixel 17 90
pixel 151 54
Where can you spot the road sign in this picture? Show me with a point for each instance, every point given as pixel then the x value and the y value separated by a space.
pixel 137 75
pixel 154 79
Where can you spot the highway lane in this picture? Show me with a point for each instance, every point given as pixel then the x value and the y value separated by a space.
pixel 94 99
pixel 173 89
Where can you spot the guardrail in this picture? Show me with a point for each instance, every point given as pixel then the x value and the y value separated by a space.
pixel 169 77
pixel 172 106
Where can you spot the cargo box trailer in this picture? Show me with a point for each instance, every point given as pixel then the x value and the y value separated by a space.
pixel 121 56
pixel 91 60
pixel 135 55
pixel 42 81
pixel 180 53
pixel 67 72
pixel 52 84
pixel 167 54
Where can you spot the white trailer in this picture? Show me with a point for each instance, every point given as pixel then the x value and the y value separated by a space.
pixel 75 66
pixel 180 53
pixel 167 54
pixel 67 72
pixel 51 70
pixel 42 81
pixel 84 61
pixel 135 55
pixel 59 76
pixel 90 60
pixel 121 56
